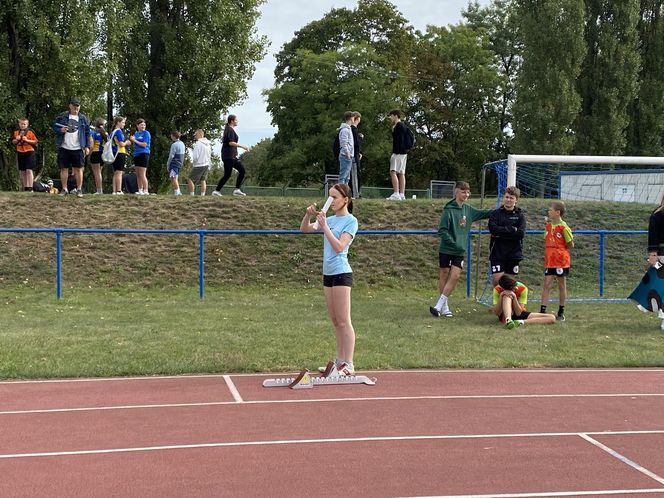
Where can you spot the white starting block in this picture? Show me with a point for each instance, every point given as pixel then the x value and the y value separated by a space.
pixel 304 380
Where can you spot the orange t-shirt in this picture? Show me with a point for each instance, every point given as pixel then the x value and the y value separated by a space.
pixel 556 253
pixel 23 146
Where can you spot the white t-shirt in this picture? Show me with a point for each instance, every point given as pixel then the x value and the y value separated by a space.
pixel 71 140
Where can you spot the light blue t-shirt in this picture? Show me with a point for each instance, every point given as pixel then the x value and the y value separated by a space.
pixel 142 136
pixel 335 263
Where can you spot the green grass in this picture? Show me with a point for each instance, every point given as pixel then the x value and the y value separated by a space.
pixel 130 302
pixel 244 329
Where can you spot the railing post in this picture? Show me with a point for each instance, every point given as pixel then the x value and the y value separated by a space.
pixel 601 263
pixel 58 264
pixel 201 264
pixel 468 265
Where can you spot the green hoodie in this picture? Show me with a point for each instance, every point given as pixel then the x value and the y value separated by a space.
pixel 455 224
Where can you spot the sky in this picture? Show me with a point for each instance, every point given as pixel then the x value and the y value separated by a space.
pixel 279 21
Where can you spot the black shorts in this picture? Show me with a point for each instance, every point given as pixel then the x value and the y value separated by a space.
pixel 26 160
pixel 70 158
pixel 523 316
pixel 95 158
pixel 556 272
pixel 340 279
pixel 509 266
pixel 119 163
pixel 449 260
pixel 141 160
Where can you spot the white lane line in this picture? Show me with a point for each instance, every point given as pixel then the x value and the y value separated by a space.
pixel 313 441
pixel 510 371
pixel 325 400
pixel 555 493
pixel 233 389
pixel 623 458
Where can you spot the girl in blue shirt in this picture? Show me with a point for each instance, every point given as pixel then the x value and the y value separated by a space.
pixel 141 140
pixel 339 231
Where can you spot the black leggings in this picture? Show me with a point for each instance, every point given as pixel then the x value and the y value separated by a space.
pixel 229 164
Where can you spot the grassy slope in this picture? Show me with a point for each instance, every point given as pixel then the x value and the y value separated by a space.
pixel 147 260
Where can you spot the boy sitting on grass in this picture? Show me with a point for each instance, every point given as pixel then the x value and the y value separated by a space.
pixel 509 303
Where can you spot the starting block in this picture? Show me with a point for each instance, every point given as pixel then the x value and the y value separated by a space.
pixel 304 380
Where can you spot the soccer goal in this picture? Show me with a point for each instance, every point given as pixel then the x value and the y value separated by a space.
pixel 597 191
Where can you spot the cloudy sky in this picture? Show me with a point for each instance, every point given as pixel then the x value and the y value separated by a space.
pixel 280 20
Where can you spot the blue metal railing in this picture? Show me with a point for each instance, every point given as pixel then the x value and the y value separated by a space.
pixel 202 233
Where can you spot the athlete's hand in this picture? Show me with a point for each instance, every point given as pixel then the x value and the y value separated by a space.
pixel 652 259
pixel 311 210
pixel 322 220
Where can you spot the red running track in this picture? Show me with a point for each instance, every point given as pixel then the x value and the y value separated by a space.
pixel 499 433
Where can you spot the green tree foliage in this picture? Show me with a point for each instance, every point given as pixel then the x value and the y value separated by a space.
pixel 646 131
pixel 201 53
pixel 46 52
pixel 498 20
pixel 349 60
pixel 255 158
pixel 608 82
pixel 547 101
pixel 455 104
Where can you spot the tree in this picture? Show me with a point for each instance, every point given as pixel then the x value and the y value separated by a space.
pixel 200 54
pixel 46 56
pixel 498 20
pixel 455 103
pixel 547 100
pixel 609 77
pixel 348 60
pixel 646 130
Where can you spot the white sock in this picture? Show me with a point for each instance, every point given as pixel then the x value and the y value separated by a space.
pixel 442 301
pixel 202 194
pixel 177 192
pixel 192 193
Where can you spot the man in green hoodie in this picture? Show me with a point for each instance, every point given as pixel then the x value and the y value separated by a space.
pixel 453 231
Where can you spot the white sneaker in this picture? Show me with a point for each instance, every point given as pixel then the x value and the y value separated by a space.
pixel 394 197
pixel 662 325
pixel 238 193
pixel 216 193
pixel 402 197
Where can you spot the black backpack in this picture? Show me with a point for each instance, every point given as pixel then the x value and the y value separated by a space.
pixel 336 146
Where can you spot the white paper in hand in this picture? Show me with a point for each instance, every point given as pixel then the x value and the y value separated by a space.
pixel 327 205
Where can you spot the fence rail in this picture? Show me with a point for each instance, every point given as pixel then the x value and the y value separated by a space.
pixel 59 232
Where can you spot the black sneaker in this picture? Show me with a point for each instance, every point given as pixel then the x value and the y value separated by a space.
pixel 560 317
pixel 434 311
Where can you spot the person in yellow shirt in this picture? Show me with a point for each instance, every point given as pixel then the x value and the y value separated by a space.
pixel 120 151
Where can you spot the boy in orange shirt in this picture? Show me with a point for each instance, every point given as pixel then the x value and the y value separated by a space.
pixel 25 140
pixel 558 240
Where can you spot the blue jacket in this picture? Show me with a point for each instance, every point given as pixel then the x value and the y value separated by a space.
pixel 83 129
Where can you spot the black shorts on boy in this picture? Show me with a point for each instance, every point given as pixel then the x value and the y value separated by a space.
pixel 510 267
pixel 557 272
pixel 26 160
pixel 449 260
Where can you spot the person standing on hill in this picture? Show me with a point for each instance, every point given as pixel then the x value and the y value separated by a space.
pixel 401 144
pixel 453 230
pixel 72 138
pixel 200 159
pixel 141 140
pixel 346 147
pixel 98 135
pixel 175 161
pixel 119 146
pixel 25 141
pixel 229 156
pixel 355 172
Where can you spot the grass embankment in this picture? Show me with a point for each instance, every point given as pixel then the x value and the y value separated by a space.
pixel 131 306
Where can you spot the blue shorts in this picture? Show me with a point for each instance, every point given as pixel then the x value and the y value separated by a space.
pixel 173 171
